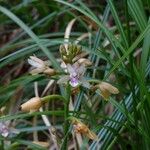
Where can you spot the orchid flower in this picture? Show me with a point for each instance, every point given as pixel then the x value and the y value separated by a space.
pixel 6 131
pixel 40 66
pixel 80 127
pixel 76 76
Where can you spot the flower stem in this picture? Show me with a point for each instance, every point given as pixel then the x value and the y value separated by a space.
pixel 2 145
pixel 66 115
pixel 51 97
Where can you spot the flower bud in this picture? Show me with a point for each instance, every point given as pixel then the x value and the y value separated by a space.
pixel 32 105
pixel 62 50
pixel 69 52
pixel 80 127
pixel 84 61
pixel 107 89
pixel 49 71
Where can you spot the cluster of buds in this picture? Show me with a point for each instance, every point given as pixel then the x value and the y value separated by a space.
pixel 40 66
pixel 68 52
pixel 81 128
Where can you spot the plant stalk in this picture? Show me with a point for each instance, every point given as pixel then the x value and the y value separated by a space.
pixel 66 115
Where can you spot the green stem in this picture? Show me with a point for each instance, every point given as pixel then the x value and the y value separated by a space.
pixel 52 97
pixel 66 115
pixel 94 81
pixel 2 145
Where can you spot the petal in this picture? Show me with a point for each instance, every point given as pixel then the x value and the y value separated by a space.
pixel 36 71
pixel 35 64
pixel 34 58
pixel 71 70
pixel 81 70
pixel 91 135
pixel 4 131
pixel 74 82
pixel 64 79
pixel 76 65
pixel 85 83
pixel 63 65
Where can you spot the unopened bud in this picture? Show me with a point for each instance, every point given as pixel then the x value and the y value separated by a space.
pixel 79 49
pixel 32 105
pixel 80 127
pixel 106 89
pixel 49 71
pixel 84 61
pixel 62 50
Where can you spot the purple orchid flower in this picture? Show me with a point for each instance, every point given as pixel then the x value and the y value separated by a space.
pixel 4 130
pixel 75 77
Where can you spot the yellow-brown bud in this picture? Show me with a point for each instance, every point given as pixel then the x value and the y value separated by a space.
pixel 106 89
pixel 49 71
pixel 80 127
pixel 84 61
pixel 32 105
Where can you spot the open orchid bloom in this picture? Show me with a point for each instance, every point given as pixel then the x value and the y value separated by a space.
pixel 40 66
pixel 106 89
pixel 6 131
pixel 76 76
pixel 80 127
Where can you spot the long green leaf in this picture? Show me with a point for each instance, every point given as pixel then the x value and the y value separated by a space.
pixel 31 34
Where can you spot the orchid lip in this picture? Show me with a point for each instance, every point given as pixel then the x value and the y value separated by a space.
pixel 74 82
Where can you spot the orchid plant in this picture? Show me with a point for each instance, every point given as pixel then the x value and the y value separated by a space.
pixel 74 67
